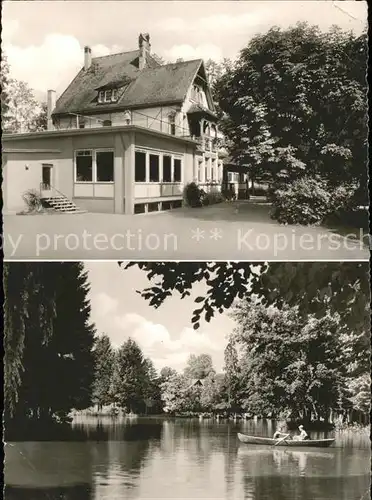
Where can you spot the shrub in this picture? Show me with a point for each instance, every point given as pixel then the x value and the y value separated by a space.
pixel 212 198
pixel 193 195
pixel 228 194
pixel 308 201
pixel 32 200
pixel 259 191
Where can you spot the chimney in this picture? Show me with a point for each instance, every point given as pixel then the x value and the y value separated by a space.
pixel 51 104
pixel 144 46
pixel 87 57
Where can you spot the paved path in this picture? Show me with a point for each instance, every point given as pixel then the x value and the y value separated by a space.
pixel 227 231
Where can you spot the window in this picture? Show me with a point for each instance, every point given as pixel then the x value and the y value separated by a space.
pixel 153 207
pixel 84 166
pixel 166 205
pixel 214 173
pixel 200 166
pixel 177 170
pixel 140 167
pixel 105 166
pixel 114 96
pixel 109 95
pixel 139 208
pixel 154 168
pixel 172 124
pixel 107 123
pixel 195 95
pixel 46 175
pixel 94 166
pixel 167 168
pixel 206 178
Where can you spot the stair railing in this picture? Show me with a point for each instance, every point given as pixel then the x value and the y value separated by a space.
pixel 48 187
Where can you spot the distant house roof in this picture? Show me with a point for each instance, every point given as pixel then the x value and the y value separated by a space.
pixel 154 85
pixel 195 382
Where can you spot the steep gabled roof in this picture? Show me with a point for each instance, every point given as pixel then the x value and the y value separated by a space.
pixel 165 84
pixel 155 84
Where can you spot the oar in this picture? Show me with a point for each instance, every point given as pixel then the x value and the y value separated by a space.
pixel 282 439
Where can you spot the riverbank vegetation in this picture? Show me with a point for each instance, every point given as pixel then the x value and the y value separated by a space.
pixel 301 347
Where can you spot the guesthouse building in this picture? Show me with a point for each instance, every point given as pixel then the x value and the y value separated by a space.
pixel 126 136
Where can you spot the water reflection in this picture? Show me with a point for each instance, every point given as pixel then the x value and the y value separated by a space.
pixel 179 458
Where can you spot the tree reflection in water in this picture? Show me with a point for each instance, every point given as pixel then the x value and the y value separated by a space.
pixel 300 474
pixel 48 470
pixel 146 458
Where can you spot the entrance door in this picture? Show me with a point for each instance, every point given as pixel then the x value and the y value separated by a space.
pixel 47 176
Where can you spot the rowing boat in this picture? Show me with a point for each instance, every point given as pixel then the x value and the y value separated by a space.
pixel 322 443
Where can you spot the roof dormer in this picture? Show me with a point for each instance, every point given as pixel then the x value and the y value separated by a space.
pixel 107 96
pixel 111 91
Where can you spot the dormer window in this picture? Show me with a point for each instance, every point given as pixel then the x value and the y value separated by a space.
pixel 172 123
pixel 108 95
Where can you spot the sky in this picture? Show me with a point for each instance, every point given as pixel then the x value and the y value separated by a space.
pixel 44 40
pixel 164 334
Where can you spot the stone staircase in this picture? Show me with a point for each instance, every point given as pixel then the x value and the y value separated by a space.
pixel 61 203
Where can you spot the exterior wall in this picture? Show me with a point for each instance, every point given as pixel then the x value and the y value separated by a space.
pixel 22 172
pixel 162 191
pixel 208 170
pixel 118 196
pixel 157 119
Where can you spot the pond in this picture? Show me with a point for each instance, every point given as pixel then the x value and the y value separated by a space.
pixel 159 458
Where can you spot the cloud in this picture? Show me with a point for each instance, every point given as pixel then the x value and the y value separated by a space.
pixel 152 336
pixel 231 22
pixel 103 304
pixel 185 51
pixel 156 341
pixel 9 30
pixel 53 63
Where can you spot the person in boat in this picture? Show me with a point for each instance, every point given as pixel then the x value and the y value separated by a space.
pixel 279 433
pixel 303 436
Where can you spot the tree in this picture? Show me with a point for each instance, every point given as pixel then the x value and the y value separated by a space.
pixel 104 360
pixel 289 362
pixel 174 393
pixel 315 287
pixel 24 112
pixel 296 102
pixel 152 394
pixel 166 372
pixel 74 337
pixel 4 81
pixel 199 367
pixel 29 292
pixel 40 122
pixel 213 393
pixel 43 344
pixel 232 373
pixel 129 382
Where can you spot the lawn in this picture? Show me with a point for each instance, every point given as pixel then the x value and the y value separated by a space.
pixel 227 231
